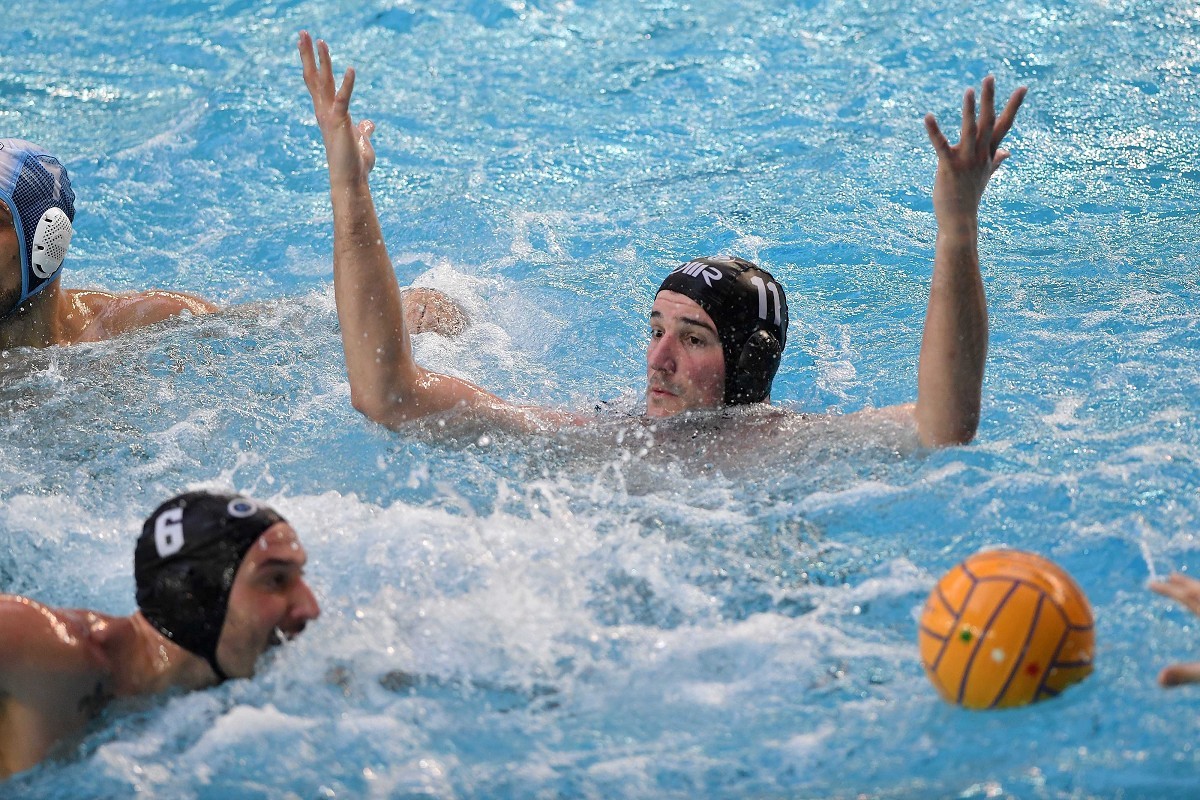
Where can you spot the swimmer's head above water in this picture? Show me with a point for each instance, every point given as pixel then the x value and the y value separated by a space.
pixel 185 565
pixel 219 579
pixel 714 312
pixel 36 192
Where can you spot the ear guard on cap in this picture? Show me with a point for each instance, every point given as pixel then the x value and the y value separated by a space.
pixel 50 242
pixel 750 381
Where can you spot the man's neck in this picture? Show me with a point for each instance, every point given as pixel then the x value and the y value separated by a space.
pixel 146 662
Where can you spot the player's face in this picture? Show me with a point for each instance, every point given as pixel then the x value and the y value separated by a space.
pixel 269 601
pixel 10 261
pixel 685 366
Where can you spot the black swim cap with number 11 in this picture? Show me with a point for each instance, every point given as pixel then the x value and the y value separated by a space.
pixel 750 311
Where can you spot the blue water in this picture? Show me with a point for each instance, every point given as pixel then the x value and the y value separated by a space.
pixel 574 618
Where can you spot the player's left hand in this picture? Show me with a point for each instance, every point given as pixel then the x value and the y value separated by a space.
pixel 964 169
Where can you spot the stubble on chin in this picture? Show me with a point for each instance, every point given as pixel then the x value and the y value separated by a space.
pixel 662 408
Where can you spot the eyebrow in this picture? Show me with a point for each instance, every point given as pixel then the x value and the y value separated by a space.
pixel 699 323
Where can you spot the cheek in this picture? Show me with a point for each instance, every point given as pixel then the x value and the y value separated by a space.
pixel 717 370
pixel 10 261
pixel 709 372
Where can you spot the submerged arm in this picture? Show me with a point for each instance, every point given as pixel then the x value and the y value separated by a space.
pixel 1185 591
pixel 386 383
pixel 954 345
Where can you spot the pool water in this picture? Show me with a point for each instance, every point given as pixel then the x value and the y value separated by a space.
pixel 581 616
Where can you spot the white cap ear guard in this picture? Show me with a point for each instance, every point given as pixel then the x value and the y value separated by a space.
pixel 50 242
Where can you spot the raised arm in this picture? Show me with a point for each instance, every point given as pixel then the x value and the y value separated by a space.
pixel 954 346
pixel 386 384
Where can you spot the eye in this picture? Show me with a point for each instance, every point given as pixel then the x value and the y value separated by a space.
pixel 277 580
pixel 656 333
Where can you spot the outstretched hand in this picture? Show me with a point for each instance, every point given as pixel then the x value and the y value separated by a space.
pixel 1186 591
pixel 347 146
pixel 964 169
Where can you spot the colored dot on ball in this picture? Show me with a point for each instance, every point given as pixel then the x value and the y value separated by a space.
pixel 998 655
pixel 966 635
pixel 1032 668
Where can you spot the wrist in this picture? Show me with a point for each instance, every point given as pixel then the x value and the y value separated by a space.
pixel 959 228
pixel 349 182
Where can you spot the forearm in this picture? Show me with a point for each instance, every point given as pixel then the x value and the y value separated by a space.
pixel 370 313
pixel 954 347
pixel 386 383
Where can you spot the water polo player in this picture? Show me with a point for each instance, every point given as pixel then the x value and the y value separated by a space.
pixel 37 213
pixel 710 347
pixel 220 579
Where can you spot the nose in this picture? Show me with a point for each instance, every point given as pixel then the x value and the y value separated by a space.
pixel 304 608
pixel 660 355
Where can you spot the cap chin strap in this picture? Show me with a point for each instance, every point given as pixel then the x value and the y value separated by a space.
pixel 212 662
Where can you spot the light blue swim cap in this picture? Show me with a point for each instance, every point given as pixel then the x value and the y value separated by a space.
pixel 35 187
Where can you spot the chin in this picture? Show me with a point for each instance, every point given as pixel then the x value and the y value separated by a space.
pixel 662 410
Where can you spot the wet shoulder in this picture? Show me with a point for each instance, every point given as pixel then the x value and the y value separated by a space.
pixel 107 314
pixel 36 636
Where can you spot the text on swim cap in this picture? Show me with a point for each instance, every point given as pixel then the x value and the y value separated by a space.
pixel 698 269
pixel 168 532
pixel 763 311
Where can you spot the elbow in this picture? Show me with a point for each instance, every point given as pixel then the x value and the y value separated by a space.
pixel 373 406
pixel 950 436
pixel 948 439
pixel 940 432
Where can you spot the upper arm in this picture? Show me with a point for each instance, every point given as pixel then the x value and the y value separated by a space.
pixel 111 314
pixel 146 308
pixel 459 407
pixel 903 414
pixel 895 425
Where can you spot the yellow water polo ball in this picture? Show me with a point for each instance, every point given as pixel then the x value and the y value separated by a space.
pixel 1005 628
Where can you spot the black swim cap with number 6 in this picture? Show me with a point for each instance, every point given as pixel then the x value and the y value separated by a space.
pixel 750 311
pixel 186 559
